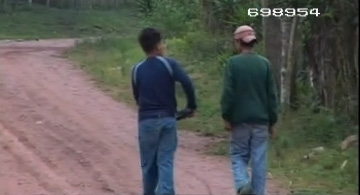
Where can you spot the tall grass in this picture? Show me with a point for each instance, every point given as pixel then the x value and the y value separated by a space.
pixel 109 61
pixel 41 22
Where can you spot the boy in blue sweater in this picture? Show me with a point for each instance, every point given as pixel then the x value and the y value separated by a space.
pixel 153 84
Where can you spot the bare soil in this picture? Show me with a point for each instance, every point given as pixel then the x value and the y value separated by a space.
pixel 60 135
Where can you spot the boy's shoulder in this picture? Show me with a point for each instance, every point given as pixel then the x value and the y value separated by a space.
pixel 233 57
pixel 137 65
pixel 171 60
pixel 263 58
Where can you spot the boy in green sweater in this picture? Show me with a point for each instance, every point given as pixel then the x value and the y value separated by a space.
pixel 249 110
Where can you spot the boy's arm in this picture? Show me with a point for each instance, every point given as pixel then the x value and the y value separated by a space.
pixel 227 94
pixel 134 89
pixel 186 83
pixel 272 97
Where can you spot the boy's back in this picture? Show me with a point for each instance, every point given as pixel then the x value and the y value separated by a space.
pixel 250 90
pixel 155 86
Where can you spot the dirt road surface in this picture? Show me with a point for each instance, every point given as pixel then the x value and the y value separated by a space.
pixel 60 135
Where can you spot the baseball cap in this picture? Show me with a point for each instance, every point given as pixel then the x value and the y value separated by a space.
pixel 245 33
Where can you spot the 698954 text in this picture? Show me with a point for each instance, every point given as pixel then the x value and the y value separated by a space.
pixel 283 12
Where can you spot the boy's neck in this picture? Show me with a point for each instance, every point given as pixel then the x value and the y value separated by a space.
pixel 247 50
pixel 149 55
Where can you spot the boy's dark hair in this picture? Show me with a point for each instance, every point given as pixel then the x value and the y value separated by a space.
pixel 251 44
pixel 149 38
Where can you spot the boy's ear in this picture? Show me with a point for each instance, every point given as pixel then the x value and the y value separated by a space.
pixel 160 48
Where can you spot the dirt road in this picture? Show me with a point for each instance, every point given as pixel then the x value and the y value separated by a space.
pixel 59 135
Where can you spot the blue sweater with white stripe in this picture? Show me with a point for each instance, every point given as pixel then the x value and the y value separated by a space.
pixel 153 84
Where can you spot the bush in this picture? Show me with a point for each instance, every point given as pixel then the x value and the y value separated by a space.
pixel 174 18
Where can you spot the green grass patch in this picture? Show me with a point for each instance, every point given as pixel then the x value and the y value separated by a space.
pixel 110 61
pixel 320 174
pixel 297 134
pixel 40 22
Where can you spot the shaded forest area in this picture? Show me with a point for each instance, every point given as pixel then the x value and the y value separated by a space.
pixel 315 58
pixel 316 53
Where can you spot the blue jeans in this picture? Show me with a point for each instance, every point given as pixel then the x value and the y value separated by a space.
pixel 249 142
pixel 158 142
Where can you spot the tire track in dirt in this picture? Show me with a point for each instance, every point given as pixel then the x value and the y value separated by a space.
pixel 27 162
pixel 67 137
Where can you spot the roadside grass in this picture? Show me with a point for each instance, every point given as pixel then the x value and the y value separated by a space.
pixel 110 60
pixel 320 174
pixel 39 22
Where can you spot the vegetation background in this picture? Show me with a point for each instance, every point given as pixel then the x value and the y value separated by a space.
pixel 315 62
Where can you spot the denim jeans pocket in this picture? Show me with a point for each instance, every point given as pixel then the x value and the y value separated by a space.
pixel 261 131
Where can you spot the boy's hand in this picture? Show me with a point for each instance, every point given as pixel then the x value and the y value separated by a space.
pixel 186 113
pixel 227 125
pixel 272 132
pixel 192 113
